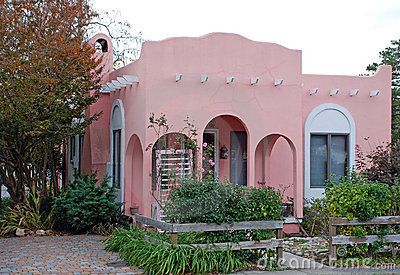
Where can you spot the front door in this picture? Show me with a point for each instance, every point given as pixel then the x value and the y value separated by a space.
pixel 238 158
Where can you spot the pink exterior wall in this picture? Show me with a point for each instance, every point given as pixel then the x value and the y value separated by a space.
pixel 278 112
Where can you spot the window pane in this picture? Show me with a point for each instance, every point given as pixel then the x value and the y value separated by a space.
pixel 318 163
pixel 338 156
pixel 117 158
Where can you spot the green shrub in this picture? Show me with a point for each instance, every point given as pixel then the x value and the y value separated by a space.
pixel 86 204
pixel 211 201
pixel 29 215
pixel 158 258
pixel 5 203
pixel 357 197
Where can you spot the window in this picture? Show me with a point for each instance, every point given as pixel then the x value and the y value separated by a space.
pixel 72 148
pixel 328 157
pixel 116 167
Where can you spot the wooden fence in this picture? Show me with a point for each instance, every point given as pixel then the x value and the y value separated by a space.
pixel 335 240
pixel 174 228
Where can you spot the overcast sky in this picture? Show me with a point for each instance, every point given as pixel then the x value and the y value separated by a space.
pixel 336 37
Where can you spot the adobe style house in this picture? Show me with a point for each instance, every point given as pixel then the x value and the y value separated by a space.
pixel 268 123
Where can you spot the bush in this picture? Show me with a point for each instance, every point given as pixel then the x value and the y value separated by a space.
pixel 211 201
pixel 161 257
pixel 86 204
pixel 357 197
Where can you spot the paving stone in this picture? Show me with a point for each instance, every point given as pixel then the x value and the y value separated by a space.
pixel 78 254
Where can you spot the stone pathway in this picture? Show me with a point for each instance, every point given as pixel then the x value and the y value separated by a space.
pixel 79 254
pixel 312 248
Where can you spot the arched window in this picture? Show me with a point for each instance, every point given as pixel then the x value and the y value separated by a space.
pixel 329 147
pixel 101 45
pixel 117 128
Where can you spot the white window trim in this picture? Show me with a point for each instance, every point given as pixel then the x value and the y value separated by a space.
pixel 319 192
pixel 118 103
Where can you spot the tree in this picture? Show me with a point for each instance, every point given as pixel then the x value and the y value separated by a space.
pixel 126 45
pixel 391 56
pixel 46 72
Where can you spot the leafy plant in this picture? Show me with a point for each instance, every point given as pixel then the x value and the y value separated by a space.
pixel 316 217
pixel 381 164
pixel 357 197
pixel 27 215
pixel 211 201
pixel 164 258
pixel 86 204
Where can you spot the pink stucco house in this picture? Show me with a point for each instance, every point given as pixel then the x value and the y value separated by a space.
pixel 269 123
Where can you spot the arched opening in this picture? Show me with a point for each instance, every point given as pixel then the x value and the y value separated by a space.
pixel 225 149
pixel 275 166
pixel 329 147
pixel 101 45
pixel 117 148
pixel 134 174
pixel 172 161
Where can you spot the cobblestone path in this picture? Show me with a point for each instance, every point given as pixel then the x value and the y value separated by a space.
pixel 79 254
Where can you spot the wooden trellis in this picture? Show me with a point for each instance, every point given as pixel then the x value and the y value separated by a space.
pixel 172 166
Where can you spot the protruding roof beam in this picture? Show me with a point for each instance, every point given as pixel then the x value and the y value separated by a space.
pixel 254 80
pixel 278 81
pixel 334 91
pixel 374 93
pixel 131 79
pixel 230 79
pixel 118 84
pixel 313 91
pixel 178 77
pixel 354 92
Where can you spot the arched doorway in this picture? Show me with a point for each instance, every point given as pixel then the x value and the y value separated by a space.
pixel 134 174
pixel 275 166
pixel 225 149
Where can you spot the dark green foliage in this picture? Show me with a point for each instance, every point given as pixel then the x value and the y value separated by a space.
pixel 211 201
pixel 86 204
pixel 158 258
pixel 4 204
pixel 391 56
pixel 203 202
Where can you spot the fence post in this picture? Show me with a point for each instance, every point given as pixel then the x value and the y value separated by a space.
pixel 174 238
pixel 332 247
pixel 279 250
